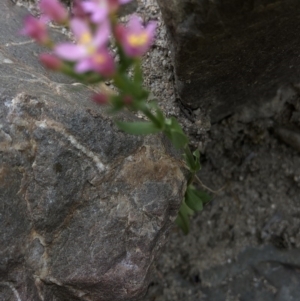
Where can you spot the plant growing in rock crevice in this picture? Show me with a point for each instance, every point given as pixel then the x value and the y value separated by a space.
pixel 95 27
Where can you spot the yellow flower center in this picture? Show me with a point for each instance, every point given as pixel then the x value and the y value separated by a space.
pixel 137 40
pixel 86 40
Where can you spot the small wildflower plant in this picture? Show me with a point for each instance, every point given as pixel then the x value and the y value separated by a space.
pixel 95 27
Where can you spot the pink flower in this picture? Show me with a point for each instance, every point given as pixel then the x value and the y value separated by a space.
pixel 36 29
pixel 101 61
pixel 100 9
pixel 50 61
pixel 90 53
pixel 54 10
pixel 135 39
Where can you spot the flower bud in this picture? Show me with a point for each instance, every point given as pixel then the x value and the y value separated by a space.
pixel 35 29
pixel 54 10
pixel 50 61
pixel 100 98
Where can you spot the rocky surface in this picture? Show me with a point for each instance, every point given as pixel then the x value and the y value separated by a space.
pixel 231 53
pixel 245 244
pixel 85 209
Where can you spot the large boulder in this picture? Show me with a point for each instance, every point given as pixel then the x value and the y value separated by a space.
pixel 84 208
pixel 231 53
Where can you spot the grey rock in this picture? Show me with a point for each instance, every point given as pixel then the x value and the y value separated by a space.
pixel 129 8
pixel 231 53
pixel 265 274
pixel 291 138
pixel 85 208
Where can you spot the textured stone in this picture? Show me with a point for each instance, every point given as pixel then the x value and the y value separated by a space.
pixel 85 208
pixel 229 53
pixel 265 274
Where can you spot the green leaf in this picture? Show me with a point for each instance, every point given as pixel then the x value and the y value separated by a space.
pixel 168 121
pixel 193 199
pixel 138 74
pixel 123 82
pixel 189 159
pixel 138 128
pixel 192 202
pixel 182 219
pixel 152 105
pixel 182 222
pixel 117 104
pixel 175 133
pixel 196 154
pixel 125 62
pixel 179 139
pixel 175 125
pixel 203 196
pixel 192 159
pixel 160 116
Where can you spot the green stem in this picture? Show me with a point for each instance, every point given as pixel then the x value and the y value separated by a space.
pixel 150 115
pixel 189 154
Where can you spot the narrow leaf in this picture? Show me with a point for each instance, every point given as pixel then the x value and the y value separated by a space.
pixel 176 125
pixel 160 116
pixel 183 218
pixel 192 199
pixel 179 139
pixel 196 153
pixel 189 159
pixel 203 196
pixel 182 222
pixel 137 128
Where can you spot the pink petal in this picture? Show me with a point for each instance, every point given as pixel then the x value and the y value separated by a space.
pixel 102 35
pixel 54 10
pixel 99 15
pixel 124 1
pixel 84 66
pixel 99 12
pixel 107 66
pixel 135 24
pixel 150 28
pixel 89 6
pixel 70 51
pixel 79 27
